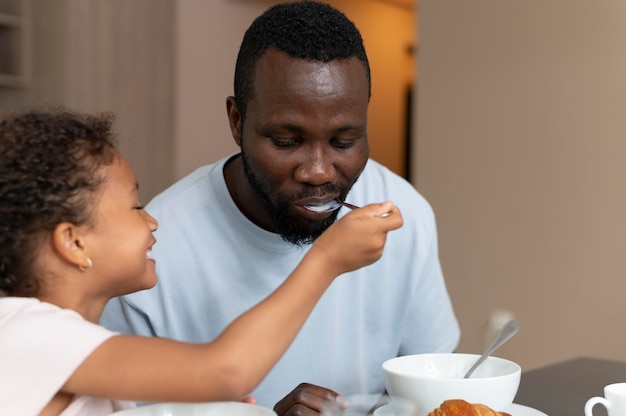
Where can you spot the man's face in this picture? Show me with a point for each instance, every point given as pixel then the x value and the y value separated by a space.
pixel 304 139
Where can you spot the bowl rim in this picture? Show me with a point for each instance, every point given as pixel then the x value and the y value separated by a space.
pixel 517 369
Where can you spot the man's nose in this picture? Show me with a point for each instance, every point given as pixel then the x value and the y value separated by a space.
pixel 316 167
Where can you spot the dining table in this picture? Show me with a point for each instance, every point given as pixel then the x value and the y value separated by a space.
pixel 563 388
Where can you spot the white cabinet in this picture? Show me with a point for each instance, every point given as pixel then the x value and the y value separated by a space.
pixel 14 42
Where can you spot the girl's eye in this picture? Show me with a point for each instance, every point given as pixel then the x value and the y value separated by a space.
pixel 138 207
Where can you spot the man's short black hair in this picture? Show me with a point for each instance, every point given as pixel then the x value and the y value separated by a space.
pixel 307 30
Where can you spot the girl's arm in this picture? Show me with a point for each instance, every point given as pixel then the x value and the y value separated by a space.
pixel 153 369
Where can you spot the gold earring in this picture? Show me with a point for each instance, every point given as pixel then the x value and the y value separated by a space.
pixel 89 265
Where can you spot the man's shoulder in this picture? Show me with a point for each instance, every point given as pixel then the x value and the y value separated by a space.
pixel 187 187
pixel 375 171
pixel 378 180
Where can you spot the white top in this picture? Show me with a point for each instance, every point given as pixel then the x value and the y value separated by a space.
pixel 41 345
pixel 213 264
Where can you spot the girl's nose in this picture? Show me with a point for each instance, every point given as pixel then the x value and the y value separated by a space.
pixel 152 222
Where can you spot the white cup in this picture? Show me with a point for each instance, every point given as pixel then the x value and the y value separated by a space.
pixel 614 400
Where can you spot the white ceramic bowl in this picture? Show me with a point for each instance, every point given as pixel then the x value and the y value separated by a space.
pixel 198 409
pixel 429 379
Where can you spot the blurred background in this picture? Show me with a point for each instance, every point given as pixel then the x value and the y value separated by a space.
pixel 506 115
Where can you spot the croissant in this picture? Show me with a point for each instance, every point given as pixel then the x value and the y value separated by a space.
pixel 463 408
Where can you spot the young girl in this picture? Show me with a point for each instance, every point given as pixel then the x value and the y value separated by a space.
pixel 73 235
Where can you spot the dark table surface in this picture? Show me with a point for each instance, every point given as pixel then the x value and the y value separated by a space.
pixel 562 389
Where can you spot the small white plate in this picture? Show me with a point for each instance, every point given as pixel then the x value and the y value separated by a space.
pixel 514 410
pixel 197 409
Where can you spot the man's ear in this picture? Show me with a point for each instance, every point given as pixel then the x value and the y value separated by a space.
pixel 69 242
pixel 234 119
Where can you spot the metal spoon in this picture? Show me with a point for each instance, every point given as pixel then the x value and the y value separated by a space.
pixel 506 333
pixel 335 204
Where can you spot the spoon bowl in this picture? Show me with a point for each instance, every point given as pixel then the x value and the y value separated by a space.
pixel 335 204
pixel 328 206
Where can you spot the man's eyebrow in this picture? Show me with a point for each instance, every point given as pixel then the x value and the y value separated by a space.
pixel 348 128
pixel 293 127
pixel 287 126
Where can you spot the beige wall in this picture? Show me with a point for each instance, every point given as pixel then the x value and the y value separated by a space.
pixel 208 37
pixel 522 153
pixel 113 55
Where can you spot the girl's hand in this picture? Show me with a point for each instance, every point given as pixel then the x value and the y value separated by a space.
pixel 358 239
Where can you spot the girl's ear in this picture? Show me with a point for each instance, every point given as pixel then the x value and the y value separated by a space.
pixel 69 242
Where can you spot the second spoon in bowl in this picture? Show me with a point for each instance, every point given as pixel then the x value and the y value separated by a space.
pixel 506 333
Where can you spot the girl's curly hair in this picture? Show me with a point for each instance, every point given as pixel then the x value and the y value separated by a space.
pixel 50 161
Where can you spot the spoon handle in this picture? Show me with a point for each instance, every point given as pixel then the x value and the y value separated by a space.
pixel 508 330
pixel 348 205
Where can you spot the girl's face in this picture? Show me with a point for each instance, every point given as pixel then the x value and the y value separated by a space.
pixel 120 240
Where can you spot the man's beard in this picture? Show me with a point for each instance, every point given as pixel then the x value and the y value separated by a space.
pixel 295 230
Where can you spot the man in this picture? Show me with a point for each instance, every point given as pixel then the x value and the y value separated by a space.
pixel 231 231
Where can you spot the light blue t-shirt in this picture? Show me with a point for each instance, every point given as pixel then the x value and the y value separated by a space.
pixel 214 264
